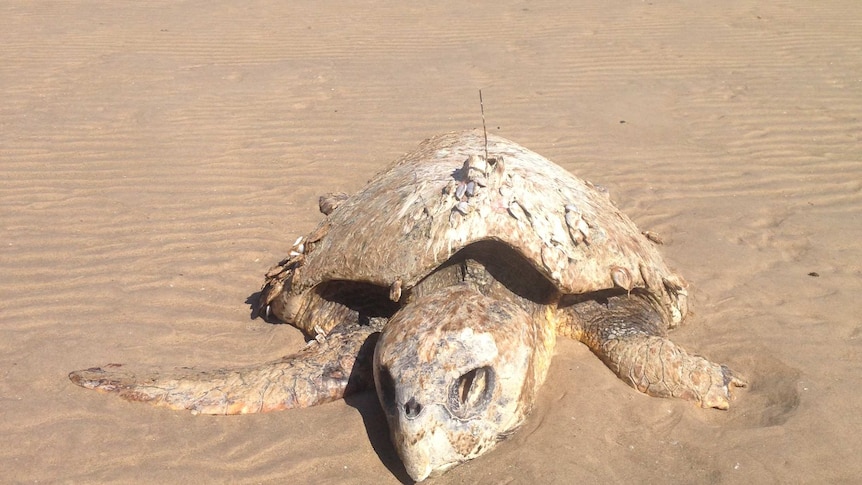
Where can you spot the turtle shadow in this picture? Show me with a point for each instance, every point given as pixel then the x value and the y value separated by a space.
pixel 378 432
pixel 360 395
pixel 254 309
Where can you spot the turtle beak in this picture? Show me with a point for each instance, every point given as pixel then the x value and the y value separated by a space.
pixel 421 435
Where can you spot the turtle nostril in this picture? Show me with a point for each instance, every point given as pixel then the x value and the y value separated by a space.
pixel 412 408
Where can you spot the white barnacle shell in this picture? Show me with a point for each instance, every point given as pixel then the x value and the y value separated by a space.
pixel 498 164
pixel 653 237
pixel 295 259
pixel 516 210
pixel 647 276
pixel 395 290
pixel 450 187
pixel 598 188
pixel 676 288
pixel 470 188
pixel 494 174
pixel 476 164
pixel 622 277
pixel 479 179
pixel 476 170
pixel 579 230
pixel 275 271
pixel 554 260
pixel 463 207
pixel 460 191
pixel 584 228
pixel 319 335
pixel 298 247
pixel 674 284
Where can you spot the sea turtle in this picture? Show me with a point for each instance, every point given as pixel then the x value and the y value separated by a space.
pixel 444 284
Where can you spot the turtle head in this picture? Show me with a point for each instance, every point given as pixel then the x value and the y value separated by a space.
pixel 456 371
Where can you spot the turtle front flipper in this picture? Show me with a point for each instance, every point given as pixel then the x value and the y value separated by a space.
pixel 322 372
pixel 627 333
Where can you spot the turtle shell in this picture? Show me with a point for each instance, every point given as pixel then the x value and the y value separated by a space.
pixel 448 194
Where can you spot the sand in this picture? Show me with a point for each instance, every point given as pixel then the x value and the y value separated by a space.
pixel 157 157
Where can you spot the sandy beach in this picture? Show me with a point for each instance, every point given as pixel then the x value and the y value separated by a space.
pixel 156 158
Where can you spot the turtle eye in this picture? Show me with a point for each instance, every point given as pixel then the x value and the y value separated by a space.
pixel 471 392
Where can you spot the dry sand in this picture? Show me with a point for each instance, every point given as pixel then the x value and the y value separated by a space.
pixel 157 157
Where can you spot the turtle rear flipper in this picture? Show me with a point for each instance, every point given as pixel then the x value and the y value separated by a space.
pixel 626 332
pixel 322 372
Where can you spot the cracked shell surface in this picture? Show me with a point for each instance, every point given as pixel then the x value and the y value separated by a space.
pixel 401 225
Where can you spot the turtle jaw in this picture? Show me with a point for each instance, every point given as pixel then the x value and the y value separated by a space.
pixel 433 443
